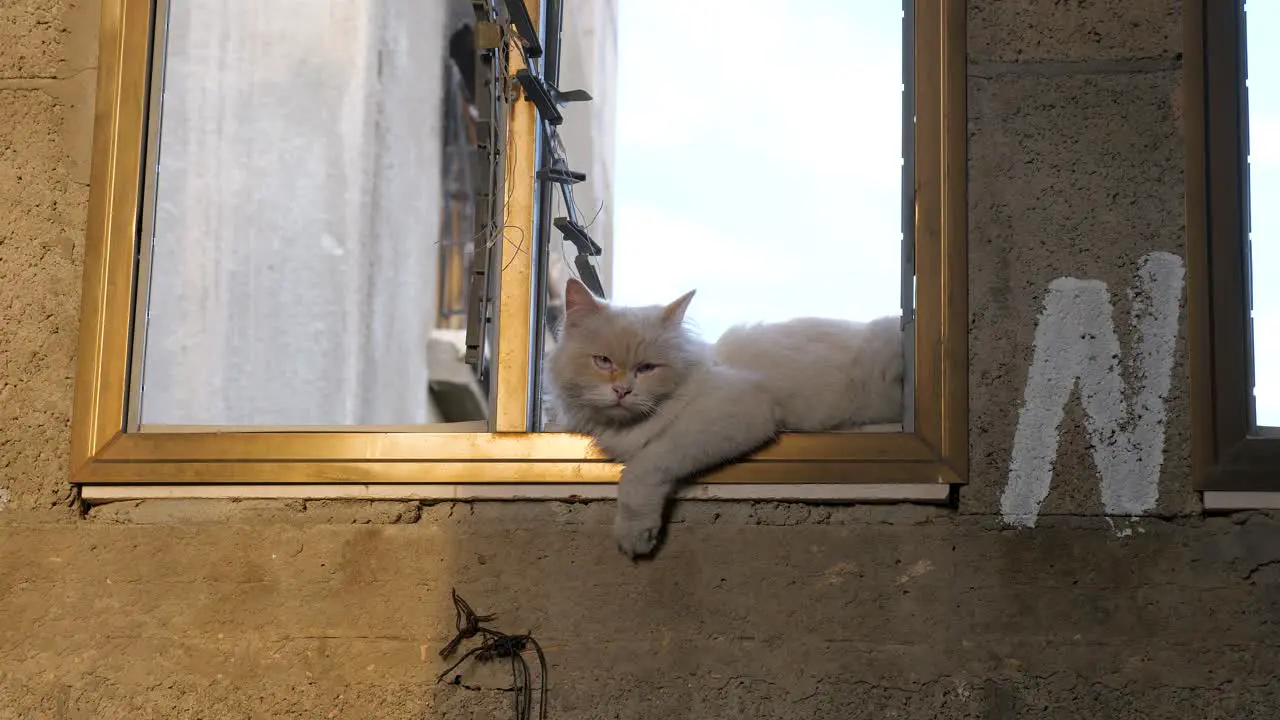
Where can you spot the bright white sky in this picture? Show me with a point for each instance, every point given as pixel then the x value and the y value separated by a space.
pixel 809 222
pixel 1264 27
pixel 806 223
pixel 1264 157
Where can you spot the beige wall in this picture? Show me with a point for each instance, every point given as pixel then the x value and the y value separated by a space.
pixel 760 610
pixel 589 61
pixel 293 271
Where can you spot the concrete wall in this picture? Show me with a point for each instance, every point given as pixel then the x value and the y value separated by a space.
pixel 324 610
pixel 295 252
pixel 588 61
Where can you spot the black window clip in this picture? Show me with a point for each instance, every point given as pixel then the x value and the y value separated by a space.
pixel 546 97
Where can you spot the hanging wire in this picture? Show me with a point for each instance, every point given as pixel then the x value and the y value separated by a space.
pixel 513 159
pixel 496 645
pixel 560 158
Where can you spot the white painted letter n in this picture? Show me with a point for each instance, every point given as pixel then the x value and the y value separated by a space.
pixel 1076 342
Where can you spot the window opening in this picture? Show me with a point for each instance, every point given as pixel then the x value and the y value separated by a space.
pixel 1260 146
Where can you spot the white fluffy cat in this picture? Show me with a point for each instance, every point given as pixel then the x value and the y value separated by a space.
pixel 668 405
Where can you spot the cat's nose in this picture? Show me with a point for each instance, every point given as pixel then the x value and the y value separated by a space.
pixel 621 391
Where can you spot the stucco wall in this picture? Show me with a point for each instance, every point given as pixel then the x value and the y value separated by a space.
pixel 330 610
pixel 297 214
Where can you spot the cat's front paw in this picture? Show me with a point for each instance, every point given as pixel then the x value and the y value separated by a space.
pixel 637 537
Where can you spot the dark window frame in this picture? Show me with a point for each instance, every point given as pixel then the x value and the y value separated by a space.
pixel 1229 453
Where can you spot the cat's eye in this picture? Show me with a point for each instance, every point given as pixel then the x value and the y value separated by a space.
pixel 643 368
pixel 602 361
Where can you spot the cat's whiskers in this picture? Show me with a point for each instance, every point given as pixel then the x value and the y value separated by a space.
pixel 707 404
pixel 644 406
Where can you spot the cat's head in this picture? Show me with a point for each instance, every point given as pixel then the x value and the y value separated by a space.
pixel 614 366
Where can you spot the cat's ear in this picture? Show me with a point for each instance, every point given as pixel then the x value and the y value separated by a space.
pixel 577 298
pixel 673 314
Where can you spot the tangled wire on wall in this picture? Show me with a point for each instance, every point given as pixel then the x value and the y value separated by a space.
pixel 496 645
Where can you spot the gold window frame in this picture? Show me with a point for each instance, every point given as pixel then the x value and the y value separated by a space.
pixel 935 451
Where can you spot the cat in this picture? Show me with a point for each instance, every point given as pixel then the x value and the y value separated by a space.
pixel 666 404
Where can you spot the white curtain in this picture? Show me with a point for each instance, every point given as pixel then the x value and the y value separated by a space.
pixel 293 277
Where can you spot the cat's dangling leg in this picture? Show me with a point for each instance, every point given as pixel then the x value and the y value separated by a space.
pixel 642 499
pixel 719 427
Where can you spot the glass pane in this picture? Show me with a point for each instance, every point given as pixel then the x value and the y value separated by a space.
pixel 310 218
pixel 1263 26
pixel 757 159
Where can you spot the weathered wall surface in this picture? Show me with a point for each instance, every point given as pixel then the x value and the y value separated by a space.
pixel 1075 169
pixel 48 52
pixel 328 610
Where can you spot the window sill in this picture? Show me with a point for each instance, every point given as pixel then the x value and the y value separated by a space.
pixel 1236 501
pixel 797 492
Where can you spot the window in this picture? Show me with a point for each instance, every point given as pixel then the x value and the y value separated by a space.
pixel 323 253
pixel 1233 113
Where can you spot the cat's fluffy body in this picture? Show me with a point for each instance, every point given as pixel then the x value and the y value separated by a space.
pixel 668 405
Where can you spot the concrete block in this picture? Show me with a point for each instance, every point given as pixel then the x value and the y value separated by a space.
pixel 1073 31
pixel 42 220
pixel 738 620
pixel 1069 176
pixel 47 38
